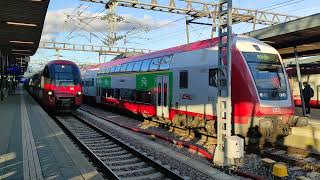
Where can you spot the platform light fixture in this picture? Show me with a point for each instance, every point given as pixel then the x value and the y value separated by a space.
pixel 23 54
pixel 269 42
pixel 22 42
pixel 21 50
pixel 21 24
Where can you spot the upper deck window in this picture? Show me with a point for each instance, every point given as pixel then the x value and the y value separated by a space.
pixel 165 62
pixel 137 66
pixel 123 67
pixel 155 64
pixel 130 66
pixel 145 65
pixel 112 69
pixel 117 68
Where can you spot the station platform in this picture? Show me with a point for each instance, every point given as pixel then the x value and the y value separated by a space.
pixel 307 137
pixel 33 146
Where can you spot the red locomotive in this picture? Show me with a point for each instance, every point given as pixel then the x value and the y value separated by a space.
pixel 58 87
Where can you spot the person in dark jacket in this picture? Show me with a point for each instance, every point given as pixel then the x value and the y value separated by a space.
pixel 307 95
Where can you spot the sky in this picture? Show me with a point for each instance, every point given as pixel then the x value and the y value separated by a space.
pixel 71 21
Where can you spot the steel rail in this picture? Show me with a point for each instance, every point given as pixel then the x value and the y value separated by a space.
pixel 96 160
pixel 164 170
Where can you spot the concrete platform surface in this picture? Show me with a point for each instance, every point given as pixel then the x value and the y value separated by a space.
pixel 306 137
pixel 33 146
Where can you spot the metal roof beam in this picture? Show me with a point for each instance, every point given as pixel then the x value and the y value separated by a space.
pixel 209 10
pixel 90 48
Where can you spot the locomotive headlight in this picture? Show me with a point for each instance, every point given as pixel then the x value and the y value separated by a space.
pixel 50 93
pixel 263 95
pixel 79 93
pixel 283 94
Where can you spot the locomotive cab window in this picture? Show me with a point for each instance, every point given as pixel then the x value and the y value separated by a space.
pixel 268 75
pixel 183 79
pixel 46 72
pixel 65 74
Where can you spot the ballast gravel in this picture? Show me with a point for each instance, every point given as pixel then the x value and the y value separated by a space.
pixel 183 169
pixel 252 162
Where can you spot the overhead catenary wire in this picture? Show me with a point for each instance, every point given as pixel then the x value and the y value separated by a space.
pixel 81 27
pixel 284 5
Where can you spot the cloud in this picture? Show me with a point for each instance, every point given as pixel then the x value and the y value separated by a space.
pixel 61 21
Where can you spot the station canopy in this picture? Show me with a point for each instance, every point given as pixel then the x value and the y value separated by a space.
pixel 304 33
pixel 21 23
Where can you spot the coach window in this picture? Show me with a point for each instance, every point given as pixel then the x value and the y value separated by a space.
pixel 183 79
pixel 143 97
pixel 109 93
pixel 91 82
pixel 46 72
pixel 117 68
pixel 137 66
pixel 165 95
pixel 86 83
pixel 145 65
pixel 130 66
pixel 112 69
pixel 165 62
pixel 155 64
pixel 104 93
pixel 123 67
pixel 159 94
pixel 213 77
pixel 106 70
pixel 117 93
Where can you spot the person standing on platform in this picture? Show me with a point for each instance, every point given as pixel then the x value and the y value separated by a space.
pixel 307 95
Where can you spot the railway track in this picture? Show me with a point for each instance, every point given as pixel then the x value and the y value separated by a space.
pixel 114 158
pixel 290 155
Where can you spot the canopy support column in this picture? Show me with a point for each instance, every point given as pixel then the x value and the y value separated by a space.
pixel 299 80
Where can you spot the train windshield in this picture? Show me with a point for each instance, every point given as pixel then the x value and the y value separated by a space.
pixel 268 75
pixel 65 74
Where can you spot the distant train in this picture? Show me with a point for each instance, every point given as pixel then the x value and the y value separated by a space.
pixel 179 86
pixel 309 73
pixel 58 87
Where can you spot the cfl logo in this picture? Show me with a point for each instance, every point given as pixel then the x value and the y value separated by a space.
pixel 276 110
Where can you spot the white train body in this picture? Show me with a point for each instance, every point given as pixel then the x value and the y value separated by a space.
pixel 179 86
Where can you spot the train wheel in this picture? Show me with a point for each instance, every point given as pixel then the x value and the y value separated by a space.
pixel 175 120
pixel 211 127
pixel 190 122
pixel 183 121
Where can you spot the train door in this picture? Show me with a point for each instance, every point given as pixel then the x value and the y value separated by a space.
pixel 163 96
pixel 318 94
pixel 98 93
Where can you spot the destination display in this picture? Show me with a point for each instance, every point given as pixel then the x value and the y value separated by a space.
pixel 257 57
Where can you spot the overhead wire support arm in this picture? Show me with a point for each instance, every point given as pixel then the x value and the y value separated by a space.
pixel 208 10
pixel 89 48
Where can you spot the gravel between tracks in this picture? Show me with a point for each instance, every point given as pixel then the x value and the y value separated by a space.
pixel 128 121
pixel 252 163
pixel 184 169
